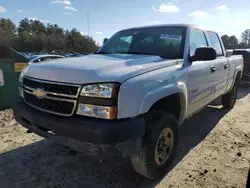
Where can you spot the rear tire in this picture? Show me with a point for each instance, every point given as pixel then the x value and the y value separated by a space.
pixel 229 99
pixel 160 145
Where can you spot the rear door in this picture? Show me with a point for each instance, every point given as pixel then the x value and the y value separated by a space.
pixel 221 64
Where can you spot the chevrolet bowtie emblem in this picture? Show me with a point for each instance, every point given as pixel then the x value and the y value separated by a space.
pixel 39 93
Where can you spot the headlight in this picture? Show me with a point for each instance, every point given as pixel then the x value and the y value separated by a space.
pixel 103 112
pixel 21 92
pixel 106 90
pixel 99 100
pixel 22 75
pixel 21 83
pixel 21 78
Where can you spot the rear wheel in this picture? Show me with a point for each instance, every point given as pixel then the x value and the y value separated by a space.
pixel 229 99
pixel 160 144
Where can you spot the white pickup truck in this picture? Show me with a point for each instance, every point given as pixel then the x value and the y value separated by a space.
pixel 131 95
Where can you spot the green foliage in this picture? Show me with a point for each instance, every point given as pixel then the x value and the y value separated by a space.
pixel 242 45
pixel 34 36
pixel 225 40
pixel 233 42
pixel 230 42
pixel 105 40
pixel 7 32
pixel 245 36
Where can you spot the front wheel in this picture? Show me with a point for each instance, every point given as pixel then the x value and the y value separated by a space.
pixel 229 99
pixel 160 145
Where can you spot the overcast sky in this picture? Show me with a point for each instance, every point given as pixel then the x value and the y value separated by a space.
pixel 109 16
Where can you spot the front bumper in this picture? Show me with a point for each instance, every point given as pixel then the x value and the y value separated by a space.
pixel 87 135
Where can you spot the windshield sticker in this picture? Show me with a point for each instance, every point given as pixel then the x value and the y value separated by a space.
pixel 171 37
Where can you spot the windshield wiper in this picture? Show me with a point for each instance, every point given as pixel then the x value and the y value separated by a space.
pixel 142 53
pixel 102 53
pixel 139 53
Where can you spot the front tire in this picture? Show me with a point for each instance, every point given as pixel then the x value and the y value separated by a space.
pixel 229 99
pixel 160 145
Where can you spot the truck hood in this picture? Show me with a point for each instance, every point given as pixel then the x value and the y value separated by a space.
pixel 96 68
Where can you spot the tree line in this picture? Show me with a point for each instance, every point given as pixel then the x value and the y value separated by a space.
pixel 34 36
pixel 231 42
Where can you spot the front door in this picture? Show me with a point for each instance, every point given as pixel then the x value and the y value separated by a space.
pixel 200 75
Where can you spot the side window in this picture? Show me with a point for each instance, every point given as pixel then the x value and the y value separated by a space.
pixel 215 42
pixel 48 58
pixel 197 40
pixel 38 60
pixel 43 59
pixel 57 57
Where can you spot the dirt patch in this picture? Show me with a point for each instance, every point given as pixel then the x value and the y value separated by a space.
pixel 214 151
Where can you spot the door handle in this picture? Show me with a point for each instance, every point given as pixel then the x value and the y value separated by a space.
pixel 213 69
pixel 225 66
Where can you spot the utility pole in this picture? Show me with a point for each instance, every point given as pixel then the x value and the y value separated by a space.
pixel 88 22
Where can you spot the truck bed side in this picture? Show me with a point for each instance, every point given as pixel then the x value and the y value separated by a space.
pixel 235 67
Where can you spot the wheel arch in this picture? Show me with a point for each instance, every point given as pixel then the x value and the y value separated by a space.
pixel 171 99
pixel 238 75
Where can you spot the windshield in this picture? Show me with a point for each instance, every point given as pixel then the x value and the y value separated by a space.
pixel 166 42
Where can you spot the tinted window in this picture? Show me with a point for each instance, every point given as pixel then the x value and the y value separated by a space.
pixel 42 59
pixel 167 42
pixel 56 57
pixel 215 43
pixel 48 58
pixel 197 39
pixel 38 60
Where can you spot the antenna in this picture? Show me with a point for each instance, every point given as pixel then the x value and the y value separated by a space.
pixel 88 21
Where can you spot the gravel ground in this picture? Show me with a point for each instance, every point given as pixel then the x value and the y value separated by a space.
pixel 214 151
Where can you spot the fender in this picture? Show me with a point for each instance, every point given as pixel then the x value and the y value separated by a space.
pixel 237 70
pixel 159 93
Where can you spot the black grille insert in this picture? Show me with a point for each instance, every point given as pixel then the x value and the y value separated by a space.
pixel 51 87
pixel 54 106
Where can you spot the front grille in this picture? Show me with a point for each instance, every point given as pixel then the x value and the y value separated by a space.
pixel 58 98
pixel 51 87
pixel 50 105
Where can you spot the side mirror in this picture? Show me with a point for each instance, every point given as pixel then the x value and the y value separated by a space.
pixel 204 54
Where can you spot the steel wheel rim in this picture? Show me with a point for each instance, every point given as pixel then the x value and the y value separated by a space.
pixel 164 146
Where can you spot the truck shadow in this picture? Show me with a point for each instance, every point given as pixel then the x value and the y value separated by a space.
pixel 46 164
pixel 242 92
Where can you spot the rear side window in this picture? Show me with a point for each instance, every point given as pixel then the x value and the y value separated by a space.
pixel 197 40
pixel 213 41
